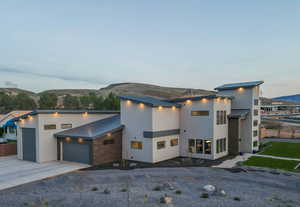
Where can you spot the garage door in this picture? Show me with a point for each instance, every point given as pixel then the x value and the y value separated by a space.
pixel 77 152
pixel 29 144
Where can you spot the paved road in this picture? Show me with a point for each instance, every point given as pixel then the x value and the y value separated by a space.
pixel 85 189
pixel 15 172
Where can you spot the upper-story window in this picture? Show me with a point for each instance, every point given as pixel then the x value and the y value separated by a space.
pixel 173 142
pixel 136 145
pixel 66 126
pixel 256 102
pixel 221 117
pixel 161 144
pixel 255 133
pixel 255 112
pixel 200 113
pixel 255 122
pixel 49 126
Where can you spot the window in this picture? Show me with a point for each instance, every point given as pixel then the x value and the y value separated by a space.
pixel 66 126
pixel 192 148
pixel 136 145
pixel 256 102
pixel 174 142
pixel 199 146
pixel 255 133
pixel 221 117
pixel 108 141
pixel 11 130
pixel 255 112
pixel 200 113
pixel 255 143
pixel 255 122
pixel 49 126
pixel 161 145
pixel 207 147
pixel 221 145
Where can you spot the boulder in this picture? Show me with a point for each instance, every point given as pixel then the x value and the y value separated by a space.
pixel 209 188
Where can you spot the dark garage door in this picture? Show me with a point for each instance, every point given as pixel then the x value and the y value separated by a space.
pixel 28 143
pixel 77 152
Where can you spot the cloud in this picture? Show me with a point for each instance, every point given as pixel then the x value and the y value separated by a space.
pixel 10 84
pixel 53 76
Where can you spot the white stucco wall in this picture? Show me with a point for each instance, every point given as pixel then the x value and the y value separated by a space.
pixel 138 119
pixel 46 144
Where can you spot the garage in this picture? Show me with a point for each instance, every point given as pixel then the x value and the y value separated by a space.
pixel 77 152
pixel 29 144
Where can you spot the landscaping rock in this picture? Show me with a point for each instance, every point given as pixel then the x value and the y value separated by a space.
pixel 223 193
pixel 209 188
pixel 106 191
pixel 168 186
pixel 166 199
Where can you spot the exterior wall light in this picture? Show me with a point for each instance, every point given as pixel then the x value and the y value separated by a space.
pixel 225 100
pixel 30 117
pixel 218 99
pixel 80 140
pixel 128 102
pixel 22 121
pixel 160 108
pixel 142 105
pixel 85 114
pixel 173 108
pixel 108 134
pixel 55 114
pixel 68 139
pixel 188 101
pixel 204 100
pixel 241 90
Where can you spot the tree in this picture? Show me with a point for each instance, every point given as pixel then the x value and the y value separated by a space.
pixel 99 103
pixel 22 101
pixel 85 102
pixel 5 103
pixel 71 102
pixel 48 101
pixel 111 102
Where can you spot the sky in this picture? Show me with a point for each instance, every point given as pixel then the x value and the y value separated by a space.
pixel 195 43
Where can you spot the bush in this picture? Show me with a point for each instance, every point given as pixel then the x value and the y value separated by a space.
pixel 94 189
pixel 123 190
pixel 204 195
pixel 178 192
pixel 237 198
pixel 157 188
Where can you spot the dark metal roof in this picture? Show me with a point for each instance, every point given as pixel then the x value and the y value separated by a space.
pixel 197 98
pixel 94 129
pixel 59 111
pixel 239 85
pixel 239 113
pixel 153 102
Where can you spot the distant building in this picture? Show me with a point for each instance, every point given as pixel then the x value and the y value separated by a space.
pixel 269 106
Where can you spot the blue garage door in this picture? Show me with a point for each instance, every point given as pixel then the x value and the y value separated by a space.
pixel 77 152
pixel 28 143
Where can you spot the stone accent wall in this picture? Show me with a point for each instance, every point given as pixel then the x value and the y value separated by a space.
pixel 105 153
pixel 8 149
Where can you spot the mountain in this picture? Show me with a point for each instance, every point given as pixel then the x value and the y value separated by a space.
pixel 293 98
pixel 270 101
pixel 124 89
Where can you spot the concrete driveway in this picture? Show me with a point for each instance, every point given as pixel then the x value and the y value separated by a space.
pixel 16 172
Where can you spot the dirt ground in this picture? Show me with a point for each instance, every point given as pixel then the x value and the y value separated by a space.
pixel 122 188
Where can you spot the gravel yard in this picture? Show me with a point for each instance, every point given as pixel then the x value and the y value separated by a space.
pixel 136 188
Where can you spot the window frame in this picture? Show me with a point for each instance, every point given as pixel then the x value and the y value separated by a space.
pixel 163 145
pixel 174 144
pixel 139 145
pixel 108 141
pixel 200 113
pixel 62 126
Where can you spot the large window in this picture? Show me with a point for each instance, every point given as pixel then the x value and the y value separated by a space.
pixel 221 145
pixel 161 144
pixel 255 133
pixel 255 122
pixel 255 143
pixel 173 142
pixel 136 145
pixel 66 126
pixel 200 113
pixel 255 112
pixel 200 146
pixel 221 117
pixel 49 126
pixel 256 102
pixel 207 147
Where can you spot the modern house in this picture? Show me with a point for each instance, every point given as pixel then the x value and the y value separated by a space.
pixel 147 129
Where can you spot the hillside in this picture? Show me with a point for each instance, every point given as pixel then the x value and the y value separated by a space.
pixel 269 101
pixel 293 98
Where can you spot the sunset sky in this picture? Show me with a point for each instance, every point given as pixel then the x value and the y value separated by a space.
pixel 198 44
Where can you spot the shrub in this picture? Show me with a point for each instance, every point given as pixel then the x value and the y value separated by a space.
pixel 204 195
pixel 94 189
pixel 123 190
pixel 178 192
pixel 157 188
pixel 237 198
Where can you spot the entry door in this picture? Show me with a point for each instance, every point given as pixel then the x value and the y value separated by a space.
pixel 29 144
pixel 77 152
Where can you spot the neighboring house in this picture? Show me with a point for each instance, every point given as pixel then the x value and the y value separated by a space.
pixel 147 129
pixel 7 125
